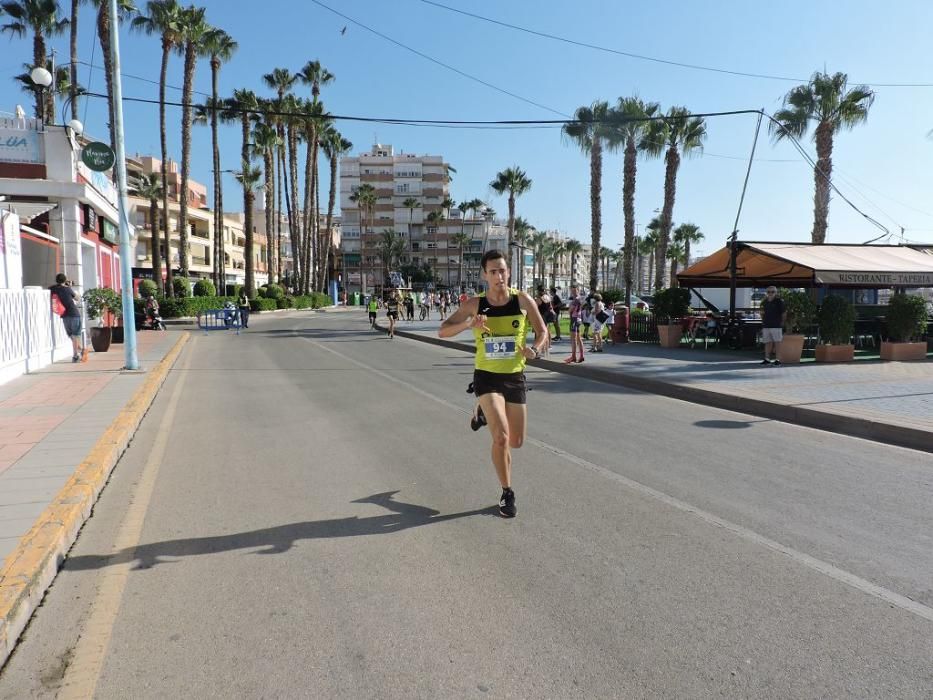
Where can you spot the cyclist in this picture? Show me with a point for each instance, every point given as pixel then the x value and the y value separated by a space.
pixel 499 320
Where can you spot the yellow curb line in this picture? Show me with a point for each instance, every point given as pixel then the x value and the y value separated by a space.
pixel 30 569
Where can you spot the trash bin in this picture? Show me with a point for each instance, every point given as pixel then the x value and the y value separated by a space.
pixel 355 299
pixel 619 331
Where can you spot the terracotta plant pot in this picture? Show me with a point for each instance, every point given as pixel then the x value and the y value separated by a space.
pixel 101 338
pixel 670 334
pixel 901 352
pixel 790 349
pixel 835 353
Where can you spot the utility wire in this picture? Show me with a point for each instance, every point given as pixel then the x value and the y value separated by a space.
pixel 438 62
pixel 140 78
pixel 641 57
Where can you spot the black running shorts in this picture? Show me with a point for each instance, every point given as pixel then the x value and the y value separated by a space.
pixel 392 314
pixel 511 386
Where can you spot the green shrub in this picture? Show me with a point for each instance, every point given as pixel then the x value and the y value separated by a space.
pixel 181 286
pixel 233 290
pixel 99 300
pixel 611 296
pixel 837 320
pixel 907 318
pixel 303 302
pixel 800 309
pixel 261 304
pixel 147 288
pixel 172 308
pixel 639 312
pixel 319 300
pixel 671 303
pixel 204 288
pixel 285 302
pixel 274 291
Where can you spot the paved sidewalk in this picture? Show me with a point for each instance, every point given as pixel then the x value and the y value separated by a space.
pixel 51 419
pixel 890 402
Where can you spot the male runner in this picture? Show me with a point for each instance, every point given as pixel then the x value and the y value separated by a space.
pixel 392 304
pixel 499 320
pixel 373 307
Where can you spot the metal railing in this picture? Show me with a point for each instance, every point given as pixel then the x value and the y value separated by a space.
pixel 31 336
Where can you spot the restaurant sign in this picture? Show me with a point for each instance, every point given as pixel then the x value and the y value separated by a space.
pixel 109 232
pixel 20 146
pixel 878 279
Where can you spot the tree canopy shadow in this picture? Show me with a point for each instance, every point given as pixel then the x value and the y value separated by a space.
pixel 278 539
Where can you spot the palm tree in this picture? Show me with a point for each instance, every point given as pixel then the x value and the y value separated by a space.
pixel 446 205
pixel 73 65
pixel 334 146
pixel 648 246
pixel 474 205
pixel 365 200
pixel 410 203
pixel 460 239
pixel 593 130
pixel 220 46
pixel 165 19
pixel 313 120
pixel 61 80
pixel 41 16
pixel 574 248
pixel 124 9
pixel 677 256
pixel 391 247
pixel 827 101
pixel 678 133
pixel 282 80
pixel 249 177
pixel 193 30
pixel 435 219
pixel 630 117
pixel 604 255
pixel 688 234
pixel 265 141
pixel 538 242
pixel 555 253
pixel 514 181
pixel 150 188
pixel 523 231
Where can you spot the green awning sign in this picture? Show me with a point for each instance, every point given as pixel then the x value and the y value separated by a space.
pixel 98 156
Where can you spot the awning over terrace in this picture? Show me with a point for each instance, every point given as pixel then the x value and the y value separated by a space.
pixel 807 265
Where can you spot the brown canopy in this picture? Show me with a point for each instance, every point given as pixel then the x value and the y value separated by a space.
pixel 807 265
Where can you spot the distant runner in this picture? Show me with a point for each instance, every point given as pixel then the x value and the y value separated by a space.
pixel 392 304
pixel 499 320
pixel 373 309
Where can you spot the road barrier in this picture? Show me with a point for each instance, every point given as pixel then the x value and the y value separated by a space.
pixel 219 320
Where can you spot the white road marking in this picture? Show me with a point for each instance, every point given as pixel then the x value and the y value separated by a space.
pixel 825 568
pixel 83 673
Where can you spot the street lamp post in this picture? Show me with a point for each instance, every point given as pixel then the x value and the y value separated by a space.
pixel 126 271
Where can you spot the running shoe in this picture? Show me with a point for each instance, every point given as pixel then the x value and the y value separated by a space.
pixel 766 362
pixel 776 363
pixel 507 507
pixel 580 360
pixel 478 420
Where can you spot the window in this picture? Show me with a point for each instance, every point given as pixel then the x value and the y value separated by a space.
pixel 432 229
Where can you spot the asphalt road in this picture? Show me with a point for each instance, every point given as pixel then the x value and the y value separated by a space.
pixel 306 513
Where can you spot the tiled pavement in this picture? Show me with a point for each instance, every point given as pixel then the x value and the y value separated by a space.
pixel 50 420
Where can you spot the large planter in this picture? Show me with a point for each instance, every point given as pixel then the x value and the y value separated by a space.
pixel 900 352
pixel 835 353
pixel 101 338
pixel 117 334
pixel 790 349
pixel 670 334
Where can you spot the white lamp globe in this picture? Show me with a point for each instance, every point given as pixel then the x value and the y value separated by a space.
pixel 40 76
pixel 76 126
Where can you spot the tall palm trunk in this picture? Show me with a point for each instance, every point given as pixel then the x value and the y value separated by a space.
pixel 822 175
pixel 103 34
pixel 187 89
pixel 331 201
pixel 73 68
pixel 220 270
pixel 154 241
pixel 672 162
pixel 628 210
pixel 651 271
pixel 596 221
pixel 247 206
pixel 293 227
pixel 268 163
pixel 306 222
pixel 278 208
pixel 169 289
pixel 320 252
pixel 38 59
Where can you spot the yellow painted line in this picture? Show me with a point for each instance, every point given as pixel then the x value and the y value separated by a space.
pixel 30 569
pixel 83 671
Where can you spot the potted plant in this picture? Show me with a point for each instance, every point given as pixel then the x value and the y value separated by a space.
pixel 800 311
pixel 907 323
pixel 837 323
pixel 670 305
pixel 99 303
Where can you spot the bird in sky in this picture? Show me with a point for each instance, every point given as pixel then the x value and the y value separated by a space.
pixel 343 31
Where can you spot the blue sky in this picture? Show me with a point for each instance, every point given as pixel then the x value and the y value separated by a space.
pixel 882 166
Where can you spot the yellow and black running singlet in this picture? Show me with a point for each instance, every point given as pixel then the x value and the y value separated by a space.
pixel 500 350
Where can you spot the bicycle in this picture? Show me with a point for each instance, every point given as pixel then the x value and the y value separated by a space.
pixel 423 313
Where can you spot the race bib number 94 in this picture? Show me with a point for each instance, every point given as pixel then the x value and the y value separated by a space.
pixel 499 348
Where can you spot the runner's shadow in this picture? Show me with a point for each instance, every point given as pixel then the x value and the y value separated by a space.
pixel 278 539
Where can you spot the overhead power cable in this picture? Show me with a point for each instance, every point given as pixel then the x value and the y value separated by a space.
pixel 438 62
pixel 140 78
pixel 641 57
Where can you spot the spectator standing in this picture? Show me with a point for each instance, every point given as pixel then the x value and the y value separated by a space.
pixel 575 312
pixel 557 304
pixel 600 318
pixel 242 302
pixel 773 317
pixel 68 310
